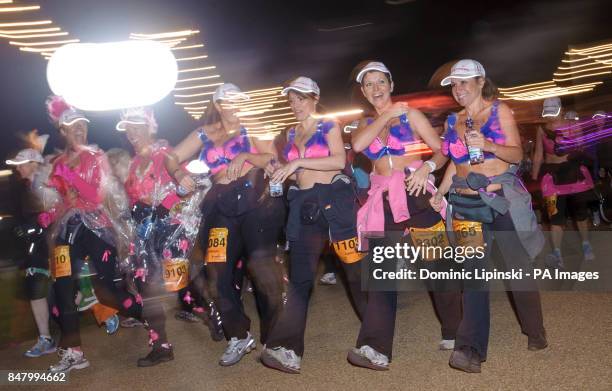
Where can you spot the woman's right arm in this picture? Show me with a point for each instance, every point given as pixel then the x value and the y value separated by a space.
pixel 365 134
pixel 538 155
pixel 183 151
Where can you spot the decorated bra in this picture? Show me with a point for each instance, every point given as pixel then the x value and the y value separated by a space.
pixel 218 158
pixel 454 146
pixel 400 136
pixel 315 147
pixel 153 184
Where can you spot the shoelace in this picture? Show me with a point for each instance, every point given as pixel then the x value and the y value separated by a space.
pixel 233 345
pixel 374 356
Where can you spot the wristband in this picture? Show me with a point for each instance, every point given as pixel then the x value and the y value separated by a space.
pixel 431 165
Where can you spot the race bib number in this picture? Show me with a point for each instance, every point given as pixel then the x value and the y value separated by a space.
pixel 60 264
pixel 468 233
pixel 176 274
pixel 433 240
pixel 217 246
pixel 347 251
pixel 551 205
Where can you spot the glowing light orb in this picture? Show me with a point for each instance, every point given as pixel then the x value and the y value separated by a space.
pixel 114 75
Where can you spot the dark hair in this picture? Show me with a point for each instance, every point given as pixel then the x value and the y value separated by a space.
pixel 211 115
pixel 310 95
pixel 489 89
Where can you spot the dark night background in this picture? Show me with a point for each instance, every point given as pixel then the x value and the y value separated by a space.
pixel 259 44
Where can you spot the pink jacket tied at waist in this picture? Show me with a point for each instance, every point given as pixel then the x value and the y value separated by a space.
pixel 371 216
pixel 549 188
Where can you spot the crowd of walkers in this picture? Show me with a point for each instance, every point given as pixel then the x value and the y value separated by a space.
pixel 115 233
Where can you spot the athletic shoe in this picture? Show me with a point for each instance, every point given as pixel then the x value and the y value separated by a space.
pixel 447 344
pixel 328 279
pixel 70 359
pixel 186 316
pixel 129 323
pixel 367 357
pixel 465 359
pixel 112 324
pixel 537 343
pixel 157 355
pixel 282 359
pixel 554 260
pixel 236 349
pixel 43 346
pixel 587 250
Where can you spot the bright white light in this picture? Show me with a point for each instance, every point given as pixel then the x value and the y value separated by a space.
pixel 197 167
pixel 115 75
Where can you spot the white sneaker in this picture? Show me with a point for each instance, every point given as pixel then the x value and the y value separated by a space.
pixel 70 359
pixel 236 349
pixel 328 279
pixel 447 344
pixel 367 357
pixel 282 359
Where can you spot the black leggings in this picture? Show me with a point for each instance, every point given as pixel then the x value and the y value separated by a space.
pixel 102 257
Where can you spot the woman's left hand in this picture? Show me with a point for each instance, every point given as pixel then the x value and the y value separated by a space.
pixel 234 169
pixel 284 172
pixel 417 181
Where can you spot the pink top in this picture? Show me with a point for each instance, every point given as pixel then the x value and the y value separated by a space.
pixel 80 186
pixel 549 145
pixel 142 186
pixel 217 158
pixel 315 147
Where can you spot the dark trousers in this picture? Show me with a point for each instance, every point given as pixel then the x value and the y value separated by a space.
pixel 304 258
pixel 252 237
pixel 474 328
pixel 152 292
pixel 102 258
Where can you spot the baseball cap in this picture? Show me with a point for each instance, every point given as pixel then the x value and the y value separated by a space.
pixel 551 107
pixel 229 91
pixel 25 156
pixel 372 66
pixel 464 69
pixel 137 116
pixel 304 85
pixel 599 114
pixel 70 116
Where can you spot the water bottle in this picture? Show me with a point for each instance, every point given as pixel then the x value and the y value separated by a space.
pixel 476 153
pixel 276 189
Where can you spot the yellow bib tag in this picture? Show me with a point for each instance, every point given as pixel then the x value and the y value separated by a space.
pixel 347 250
pixel 432 239
pixel 176 274
pixel 217 246
pixel 60 265
pixel 468 233
pixel 551 205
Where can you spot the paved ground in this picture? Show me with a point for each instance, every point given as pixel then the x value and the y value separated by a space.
pixel 579 328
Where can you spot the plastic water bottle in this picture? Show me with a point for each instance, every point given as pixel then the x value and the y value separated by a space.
pixel 276 189
pixel 476 153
